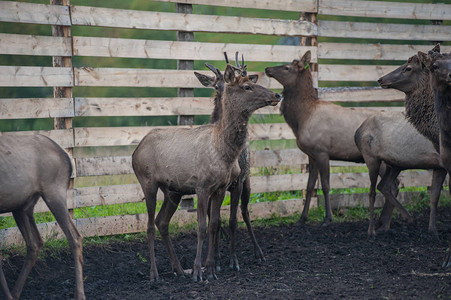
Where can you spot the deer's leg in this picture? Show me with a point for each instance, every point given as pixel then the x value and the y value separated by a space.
pixel 169 207
pixel 213 230
pixel 324 172
pixel 150 191
pixel 385 186
pixel 3 283
pixel 27 226
pixel 245 198
pixel 438 177
pixel 312 176
pixel 56 201
pixel 234 201
pixel 383 224
pixel 202 207
pixel 373 167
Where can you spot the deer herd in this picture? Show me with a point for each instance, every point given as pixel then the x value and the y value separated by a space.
pixel 210 159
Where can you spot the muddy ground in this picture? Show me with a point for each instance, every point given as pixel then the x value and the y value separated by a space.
pixel 302 262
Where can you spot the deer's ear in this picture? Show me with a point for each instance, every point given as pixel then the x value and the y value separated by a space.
pixel 435 49
pixel 206 80
pixel 253 78
pixel 425 60
pixel 229 74
pixel 306 58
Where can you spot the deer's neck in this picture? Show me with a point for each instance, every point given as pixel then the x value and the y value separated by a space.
pixel 217 110
pixel 442 99
pixel 298 101
pixel 231 132
pixel 420 110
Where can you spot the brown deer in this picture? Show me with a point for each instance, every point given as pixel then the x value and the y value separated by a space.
pixel 241 187
pixel 323 130
pixel 390 138
pixel 32 167
pixel 201 160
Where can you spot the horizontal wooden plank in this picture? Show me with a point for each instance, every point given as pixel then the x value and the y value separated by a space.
pixel 293 5
pixel 108 17
pixel 384 31
pixel 379 9
pixel 21 44
pixel 360 94
pixel 151 106
pixel 115 47
pixel 23 108
pixel 119 136
pixel 352 72
pixel 35 76
pixel 118 165
pixel 150 78
pixel 63 137
pixel 372 51
pixel 101 226
pixel 20 12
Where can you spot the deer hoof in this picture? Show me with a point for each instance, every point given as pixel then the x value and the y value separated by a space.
pixel 234 264
pixel 197 275
pixel 212 277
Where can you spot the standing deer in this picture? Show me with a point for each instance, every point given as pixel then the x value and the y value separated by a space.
pixel 33 167
pixel 323 130
pixel 241 187
pixel 202 160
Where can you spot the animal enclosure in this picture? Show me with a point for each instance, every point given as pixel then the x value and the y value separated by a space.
pixel 353 43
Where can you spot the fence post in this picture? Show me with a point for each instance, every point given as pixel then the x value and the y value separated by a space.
pixel 309 41
pixel 63 92
pixel 187 202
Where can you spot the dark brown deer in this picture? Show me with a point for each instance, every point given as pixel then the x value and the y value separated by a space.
pixel 32 167
pixel 323 130
pixel 202 160
pixel 390 138
pixel 240 188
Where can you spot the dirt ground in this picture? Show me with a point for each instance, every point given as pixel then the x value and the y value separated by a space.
pixel 302 262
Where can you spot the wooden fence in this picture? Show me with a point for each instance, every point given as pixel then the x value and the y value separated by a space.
pixel 339 52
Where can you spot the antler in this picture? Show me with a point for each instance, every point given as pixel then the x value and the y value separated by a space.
pixel 241 68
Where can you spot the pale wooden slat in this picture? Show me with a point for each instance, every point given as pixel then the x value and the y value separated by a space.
pixel 384 31
pixel 379 9
pixel 20 12
pixel 63 137
pixel 138 222
pixel 360 94
pixel 23 108
pixel 119 136
pixel 151 106
pixel 149 78
pixel 35 76
pixel 372 51
pixel 87 76
pixel 352 72
pixel 22 44
pixel 293 5
pixel 107 17
pixel 114 47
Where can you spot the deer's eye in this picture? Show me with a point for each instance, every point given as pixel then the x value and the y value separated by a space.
pixel 247 88
pixel 408 69
pixel 435 67
pixel 287 68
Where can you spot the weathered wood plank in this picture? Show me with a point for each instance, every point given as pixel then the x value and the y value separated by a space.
pixel 35 76
pixel 352 72
pixel 372 51
pixel 360 94
pixel 20 12
pixel 107 17
pixel 384 31
pixel 379 9
pixel 120 136
pixel 101 226
pixel 23 108
pixel 63 137
pixel 115 47
pixel 293 5
pixel 21 44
